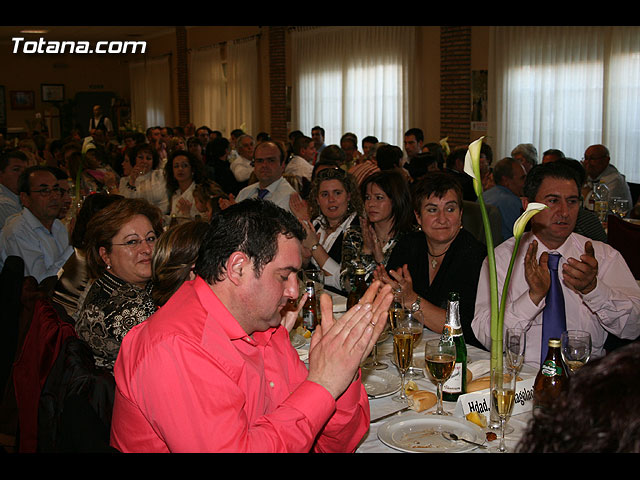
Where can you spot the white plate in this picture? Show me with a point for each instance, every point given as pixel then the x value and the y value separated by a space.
pixel 297 340
pixel 380 383
pixel 423 434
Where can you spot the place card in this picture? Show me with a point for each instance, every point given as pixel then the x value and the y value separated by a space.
pixel 480 401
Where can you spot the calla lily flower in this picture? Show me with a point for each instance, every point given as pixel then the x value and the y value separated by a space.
pixel 472 165
pixel 445 145
pixel 521 222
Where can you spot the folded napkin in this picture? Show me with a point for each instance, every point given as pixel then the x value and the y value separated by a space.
pixel 479 368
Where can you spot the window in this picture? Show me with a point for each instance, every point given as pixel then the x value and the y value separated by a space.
pixel 352 79
pixel 567 88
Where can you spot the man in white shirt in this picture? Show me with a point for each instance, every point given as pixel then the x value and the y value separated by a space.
pixel 99 119
pixel 35 234
pixel 241 165
pixel 271 185
pixel 301 164
pixel 599 292
pixel 12 164
pixel 597 164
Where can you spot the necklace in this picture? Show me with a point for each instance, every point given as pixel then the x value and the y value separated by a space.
pixel 434 262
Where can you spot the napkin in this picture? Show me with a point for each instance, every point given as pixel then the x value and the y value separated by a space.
pixel 479 368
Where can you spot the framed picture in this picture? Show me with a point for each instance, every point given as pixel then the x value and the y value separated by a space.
pixel 22 99
pixel 52 93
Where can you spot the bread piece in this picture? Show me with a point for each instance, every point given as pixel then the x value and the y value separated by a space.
pixel 422 400
pixel 482 383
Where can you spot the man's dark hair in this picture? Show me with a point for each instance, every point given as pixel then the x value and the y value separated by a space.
pixel 559 170
pixel 23 179
pixel 416 132
pixel 504 169
pixel 369 139
pixel 350 137
pixel 317 127
pixel 388 157
pixel 6 156
pixel 301 142
pixel 457 154
pixel 251 227
pixel 554 151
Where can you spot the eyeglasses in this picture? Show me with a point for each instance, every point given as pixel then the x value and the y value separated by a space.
pixel 47 191
pixel 135 243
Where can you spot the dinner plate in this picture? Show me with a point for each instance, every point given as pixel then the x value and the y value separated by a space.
pixel 423 434
pixel 297 340
pixel 380 383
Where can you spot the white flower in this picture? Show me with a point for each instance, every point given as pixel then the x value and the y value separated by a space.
pixel 521 222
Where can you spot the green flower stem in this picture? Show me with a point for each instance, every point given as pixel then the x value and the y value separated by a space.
pixel 496 313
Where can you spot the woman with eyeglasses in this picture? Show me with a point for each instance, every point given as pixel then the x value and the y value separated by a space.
pixel 120 241
pixel 335 205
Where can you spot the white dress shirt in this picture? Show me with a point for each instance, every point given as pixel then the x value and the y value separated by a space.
pixel 299 167
pixel 241 168
pixel 279 193
pixel 9 204
pixel 152 186
pixel 613 306
pixel 44 252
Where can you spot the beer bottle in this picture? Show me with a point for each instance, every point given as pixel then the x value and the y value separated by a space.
pixel 456 385
pixel 551 377
pixel 310 308
pixel 359 287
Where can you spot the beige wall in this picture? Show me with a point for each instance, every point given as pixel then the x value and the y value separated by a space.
pixel 110 73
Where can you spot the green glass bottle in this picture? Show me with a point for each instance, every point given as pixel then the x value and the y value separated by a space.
pixel 456 385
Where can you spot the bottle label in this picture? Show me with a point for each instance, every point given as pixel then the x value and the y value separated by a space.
pixel 551 369
pixel 454 384
pixel 308 320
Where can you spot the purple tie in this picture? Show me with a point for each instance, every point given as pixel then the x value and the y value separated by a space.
pixel 262 192
pixel 554 320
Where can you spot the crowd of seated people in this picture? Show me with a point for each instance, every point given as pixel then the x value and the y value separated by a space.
pixel 398 211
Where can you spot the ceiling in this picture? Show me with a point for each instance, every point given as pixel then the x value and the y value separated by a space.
pixel 88 33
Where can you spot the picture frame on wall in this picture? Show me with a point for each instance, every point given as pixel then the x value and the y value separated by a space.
pixel 52 92
pixel 22 99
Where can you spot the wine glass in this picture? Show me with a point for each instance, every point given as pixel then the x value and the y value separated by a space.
pixel 374 363
pixel 440 359
pixel 620 207
pixel 396 310
pixel 403 353
pixel 413 321
pixel 503 393
pixel 576 348
pixel 514 344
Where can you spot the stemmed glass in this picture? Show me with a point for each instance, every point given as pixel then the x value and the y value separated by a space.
pixel 403 353
pixel 503 392
pixel 440 359
pixel 620 207
pixel 576 348
pixel 374 363
pixel 396 310
pixel 413 320
pixel 514 344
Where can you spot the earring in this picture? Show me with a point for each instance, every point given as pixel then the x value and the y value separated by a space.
pixel 108 267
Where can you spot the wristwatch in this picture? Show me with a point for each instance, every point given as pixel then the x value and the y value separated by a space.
pixel 415 306
pixel 315 247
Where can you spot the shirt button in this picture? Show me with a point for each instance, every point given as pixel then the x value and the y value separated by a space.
pixel 271 384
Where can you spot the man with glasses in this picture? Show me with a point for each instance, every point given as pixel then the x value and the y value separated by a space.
pixel 268 164
pixel 599 169
pixel 35 234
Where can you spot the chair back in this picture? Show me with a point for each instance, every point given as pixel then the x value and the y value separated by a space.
pixel 625 237
pixel 11 279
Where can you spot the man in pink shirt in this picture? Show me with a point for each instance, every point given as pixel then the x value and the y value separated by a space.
pixel 214 371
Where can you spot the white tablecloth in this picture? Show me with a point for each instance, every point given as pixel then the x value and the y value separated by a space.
pixel 384 405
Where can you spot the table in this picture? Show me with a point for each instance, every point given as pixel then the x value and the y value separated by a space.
pixel 381 406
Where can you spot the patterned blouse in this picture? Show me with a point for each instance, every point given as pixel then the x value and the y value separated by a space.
pixel 112 307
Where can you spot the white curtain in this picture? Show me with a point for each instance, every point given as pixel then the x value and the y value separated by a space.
pixel 242 85
pixel 150 82
pixel 353 79
pixel 566 88
pixel 207 88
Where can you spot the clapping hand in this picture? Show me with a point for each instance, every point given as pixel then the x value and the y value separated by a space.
pixel 581 276
pixel 536 273
pixel 339 346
